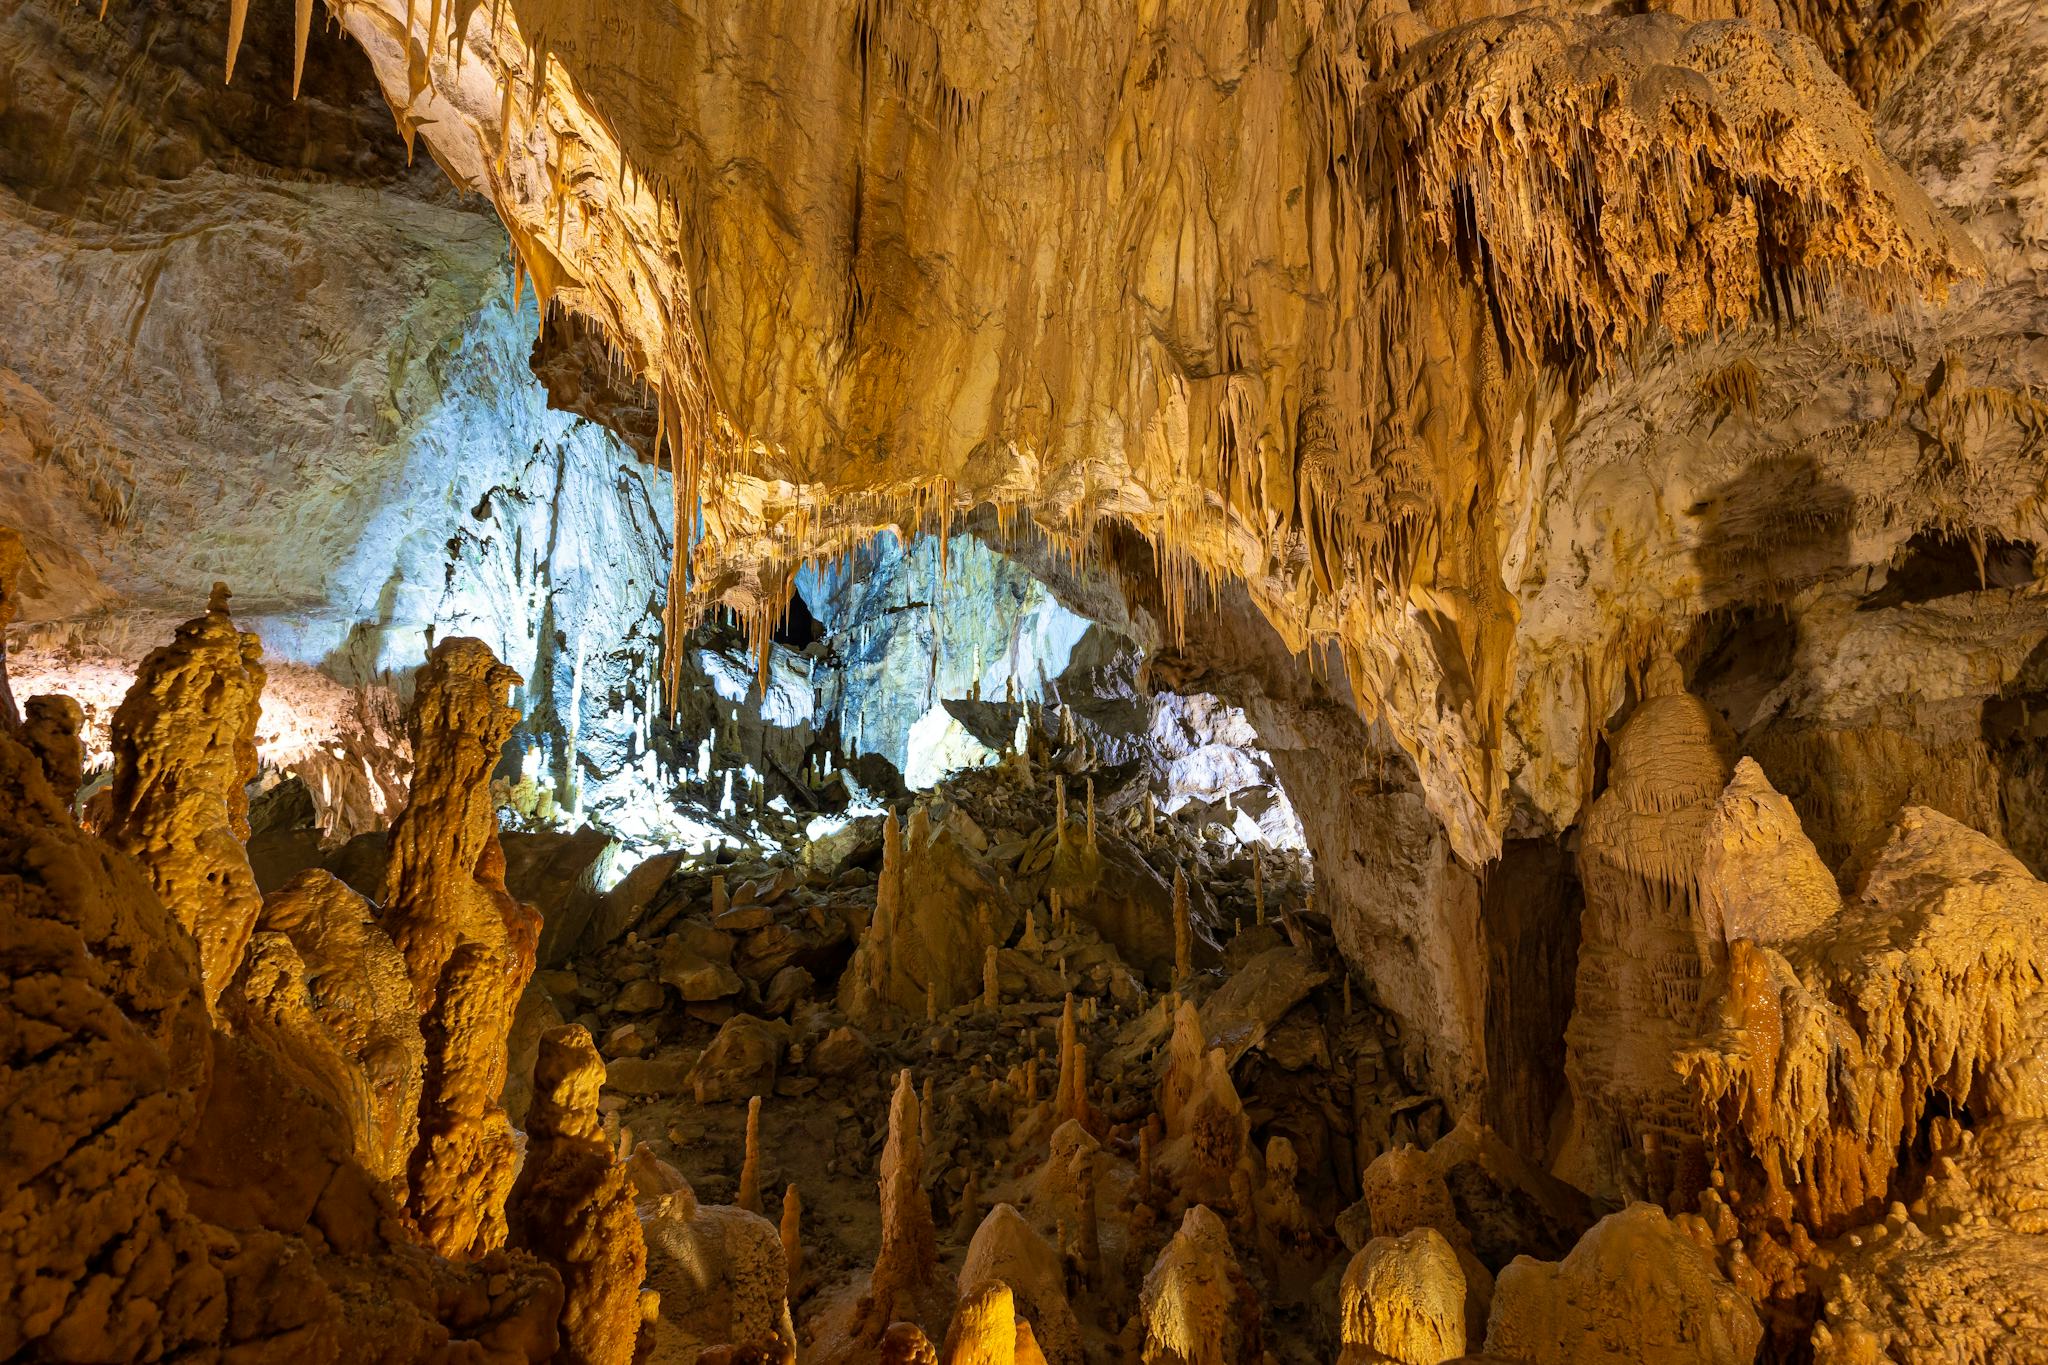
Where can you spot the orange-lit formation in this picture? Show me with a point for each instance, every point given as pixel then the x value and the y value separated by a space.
pixel 1176 684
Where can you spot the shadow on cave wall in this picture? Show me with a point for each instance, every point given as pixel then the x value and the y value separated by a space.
pixel 1778 526
pixel 1783 525
pixel 2015 732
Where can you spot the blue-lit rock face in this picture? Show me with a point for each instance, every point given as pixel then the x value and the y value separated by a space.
pixel 532 530
pixel 903 637
pixel 900 639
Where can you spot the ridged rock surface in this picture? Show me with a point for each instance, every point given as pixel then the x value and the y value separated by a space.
pixel 1633 1289
pixel 1194 310
pixel 184 746
pixel 468 946
pixel 572 1205
pixel 359 992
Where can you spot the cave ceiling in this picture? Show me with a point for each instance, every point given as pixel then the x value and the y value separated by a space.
pixel 1482 347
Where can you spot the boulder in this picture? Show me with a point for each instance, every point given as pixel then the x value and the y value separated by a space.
pixel 1634 1289
pixel 741 1061
pixel 696 978
pixel 562 876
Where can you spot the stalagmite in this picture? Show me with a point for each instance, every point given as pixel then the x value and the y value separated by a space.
pixel 750 1168
pixel 909 1254
pixel 172 1190
pixel 904 1343
pixel 573 1205
pixel 361 997
pixel 1644 946
pixel 1404 1302
pixel 1195 1303
pixel 1633 1290
pixel 984 1328
pixel 1832 1043
pixel 1334 401
pixel 52 728
pixel 1005 1250
pixel 469 947
pixel 792 1234
pixel 184 742
pixel 1070 1100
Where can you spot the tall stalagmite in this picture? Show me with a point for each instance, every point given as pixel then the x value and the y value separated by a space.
pixel 909 1254
pixel 1644 946
pixel 184 742
pixel 573 1205
pixel 469 947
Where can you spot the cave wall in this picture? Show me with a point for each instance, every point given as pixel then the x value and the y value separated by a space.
pixel 241 340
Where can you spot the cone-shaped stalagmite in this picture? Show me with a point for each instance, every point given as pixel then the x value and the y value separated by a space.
pixel 469 947
pixel 792 1235
pixel 750 1164
pixel 573 1205
pixel 1070 1101
pixel 909 1251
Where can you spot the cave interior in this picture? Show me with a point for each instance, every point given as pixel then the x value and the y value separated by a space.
pixel 882 682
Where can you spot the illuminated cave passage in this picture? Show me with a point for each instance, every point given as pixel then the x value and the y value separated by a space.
pixel 882 682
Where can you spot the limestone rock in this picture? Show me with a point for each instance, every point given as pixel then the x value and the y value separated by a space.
pixel 468 946
pixel 909 1253
pixel 100 1267
pixel 1633 1289
pixel 50 728
pixel 1196 1305
pixel 984 1327
pixel 1257 997
pixel 742 1060
pixel 357 990
pixel 720 1273
pixel 936 912
pixel 1920 990
pixel 1240 468
pixel 1955 1278
pixel 182 1191
pixel 1404 1191
pixel 1404 1301
pixel 1644 947
pixel 563 877
pixel 695 977
pixel 184 743
pixel 841 1052
pixel 572 1205
pixel 1006 1250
